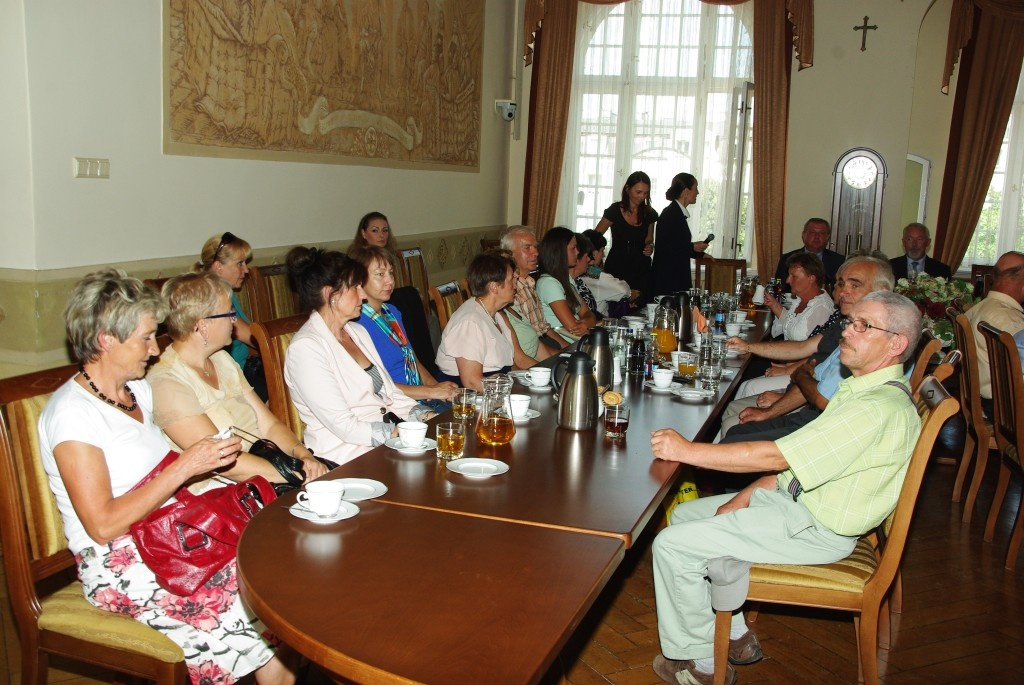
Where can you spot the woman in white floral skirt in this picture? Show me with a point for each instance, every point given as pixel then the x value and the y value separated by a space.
pixel 97 441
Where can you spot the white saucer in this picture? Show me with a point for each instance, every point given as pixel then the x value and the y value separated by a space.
pixel 358 489
pixel 477 468
pixel 396 444
pixel 347 511
pixel 694 396
pixel 530 414
pixel 653 388
pixel 537 388
pixel 521 376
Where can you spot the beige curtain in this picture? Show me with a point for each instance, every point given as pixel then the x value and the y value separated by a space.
pixel 549 108
pixel 993 32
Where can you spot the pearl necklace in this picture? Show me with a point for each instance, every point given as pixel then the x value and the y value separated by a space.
pixel 113 403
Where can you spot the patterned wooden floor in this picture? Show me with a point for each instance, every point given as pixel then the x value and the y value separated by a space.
pixel 962 621
pixel 963 618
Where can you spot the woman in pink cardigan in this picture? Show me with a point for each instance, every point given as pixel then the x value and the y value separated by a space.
pixel 337 380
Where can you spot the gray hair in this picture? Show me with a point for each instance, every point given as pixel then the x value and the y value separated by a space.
pixel 884 278
pixel 508 238
pixel 190 297
pixel 108 301
pixel 901 316
pixel 916 224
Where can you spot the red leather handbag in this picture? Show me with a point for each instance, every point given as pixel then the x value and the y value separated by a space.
pixel 184 543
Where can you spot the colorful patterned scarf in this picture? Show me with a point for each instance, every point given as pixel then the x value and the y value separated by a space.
pixel 387 322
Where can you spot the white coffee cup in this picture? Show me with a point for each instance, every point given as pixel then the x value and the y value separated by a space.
pixel 651 308
pixel 411 433
pixel 322 497
pixel 663 378
pixel 540 376
pixel 737 317
pixel 758 295
pixel 733 328
pixel 520 405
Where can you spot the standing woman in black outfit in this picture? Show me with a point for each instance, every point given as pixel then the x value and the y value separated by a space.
pixel 632 223
pixel 670 272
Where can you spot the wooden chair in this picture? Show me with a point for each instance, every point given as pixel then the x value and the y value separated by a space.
pixel 488 244
pixel 986 273
pixel 273 338
pixel 926 349
pixel 447 297
pixel 859 583
pixel 407 301
pixel 49 607
pixel 414 268
pixel 1008 424
pixel 979 439
pixel 718 275
pixel 273 295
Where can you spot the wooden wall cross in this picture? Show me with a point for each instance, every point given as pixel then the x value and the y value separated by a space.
pixel 864 35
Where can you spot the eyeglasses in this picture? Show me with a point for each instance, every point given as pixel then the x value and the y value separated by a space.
pixel 225 239
pixel 860 325
pixel 226 315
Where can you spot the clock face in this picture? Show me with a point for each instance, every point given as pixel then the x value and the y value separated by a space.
pixel 860 173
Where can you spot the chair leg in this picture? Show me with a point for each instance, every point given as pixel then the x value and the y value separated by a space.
pixel 35 664
pixel 980 465
pixel 1015 538
pixel 997 502
pixel 896 598
pixel 965 463
pixel 867 642
pixel 723 623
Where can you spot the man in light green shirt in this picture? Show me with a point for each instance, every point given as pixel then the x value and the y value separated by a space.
pixel 831 481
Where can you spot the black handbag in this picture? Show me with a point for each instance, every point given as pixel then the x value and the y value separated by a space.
pixel 288 466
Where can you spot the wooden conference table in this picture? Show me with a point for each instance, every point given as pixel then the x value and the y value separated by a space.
pixel 445 579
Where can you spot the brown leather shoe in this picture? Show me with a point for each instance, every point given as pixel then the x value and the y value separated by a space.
pixel 685 672
pixel 745 650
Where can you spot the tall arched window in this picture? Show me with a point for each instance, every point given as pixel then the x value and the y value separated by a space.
pixel 662 86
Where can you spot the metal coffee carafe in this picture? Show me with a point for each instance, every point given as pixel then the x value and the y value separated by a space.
pixel 577 392
pixel 597 345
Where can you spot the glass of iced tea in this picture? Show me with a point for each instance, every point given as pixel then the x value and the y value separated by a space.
pixel 464 404
pixel 451 440
pixel 686 363
pixel 616 421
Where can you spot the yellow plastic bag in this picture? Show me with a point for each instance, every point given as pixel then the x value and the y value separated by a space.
pixel 684 492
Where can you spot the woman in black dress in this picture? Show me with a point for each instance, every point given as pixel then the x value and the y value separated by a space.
pixel 670 271
pixel 632 223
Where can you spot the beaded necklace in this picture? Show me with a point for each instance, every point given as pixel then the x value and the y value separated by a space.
pixel 113 403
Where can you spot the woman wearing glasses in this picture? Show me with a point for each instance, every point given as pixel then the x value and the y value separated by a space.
pixel 97 441
pixel 228 256
pixel 198 390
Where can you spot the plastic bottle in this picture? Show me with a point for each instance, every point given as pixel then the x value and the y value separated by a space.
pixel 651 356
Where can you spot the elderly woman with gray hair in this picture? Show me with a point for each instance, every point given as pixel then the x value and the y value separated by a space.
pixel 97 441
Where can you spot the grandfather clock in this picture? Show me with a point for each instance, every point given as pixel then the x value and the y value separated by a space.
pixel 857 201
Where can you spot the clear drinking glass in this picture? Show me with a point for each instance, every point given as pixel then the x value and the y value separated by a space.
pixel 451 440
pixel 464 404
pixel 710 376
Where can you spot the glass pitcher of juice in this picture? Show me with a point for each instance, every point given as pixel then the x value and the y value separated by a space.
pixel 495 425
pixel 666 321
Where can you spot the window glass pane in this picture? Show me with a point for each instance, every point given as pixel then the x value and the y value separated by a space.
pixel 656 94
